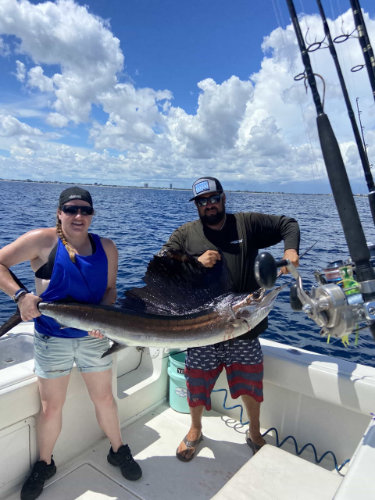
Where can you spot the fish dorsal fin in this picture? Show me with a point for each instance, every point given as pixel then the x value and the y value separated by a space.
pixel 177 283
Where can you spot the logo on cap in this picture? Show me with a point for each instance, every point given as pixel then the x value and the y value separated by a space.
pixel 201 186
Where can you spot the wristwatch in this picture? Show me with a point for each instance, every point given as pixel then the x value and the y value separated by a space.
pixel 16 297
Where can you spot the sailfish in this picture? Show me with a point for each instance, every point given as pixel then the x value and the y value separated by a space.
pixel 182 304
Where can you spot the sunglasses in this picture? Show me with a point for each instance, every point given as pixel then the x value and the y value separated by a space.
pixel 74 209
pixel 202 202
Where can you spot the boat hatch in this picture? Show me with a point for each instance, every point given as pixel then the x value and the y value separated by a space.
pixel 16 349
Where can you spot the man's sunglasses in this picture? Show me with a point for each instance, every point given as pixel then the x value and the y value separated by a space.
pixel 202 202
pixel 74 209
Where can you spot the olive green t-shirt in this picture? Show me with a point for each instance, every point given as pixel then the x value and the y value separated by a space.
pixel 239 241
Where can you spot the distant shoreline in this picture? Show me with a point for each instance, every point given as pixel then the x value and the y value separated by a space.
pixel 96 184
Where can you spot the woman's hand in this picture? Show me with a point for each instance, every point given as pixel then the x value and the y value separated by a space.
pixel 96 333
pixel 28 306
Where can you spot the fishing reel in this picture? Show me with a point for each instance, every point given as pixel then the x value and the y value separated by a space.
pixel 336 304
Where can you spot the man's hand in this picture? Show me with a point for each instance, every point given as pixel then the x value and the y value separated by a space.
pixel 209 258
pixel 292 256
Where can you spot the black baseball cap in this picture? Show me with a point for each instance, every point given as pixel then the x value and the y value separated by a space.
pixel 206 185
pixel 74 193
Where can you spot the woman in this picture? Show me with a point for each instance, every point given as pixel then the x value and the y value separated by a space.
pixel 71 264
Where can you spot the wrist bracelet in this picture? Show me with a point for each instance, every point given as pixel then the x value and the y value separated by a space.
pixel 19 294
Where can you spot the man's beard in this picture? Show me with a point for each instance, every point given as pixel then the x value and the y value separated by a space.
pixel 213 219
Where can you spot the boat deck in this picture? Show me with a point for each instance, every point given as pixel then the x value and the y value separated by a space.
pixel 223 467
pixel 314 398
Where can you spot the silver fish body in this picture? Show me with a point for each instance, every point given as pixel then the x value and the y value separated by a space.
pixel 222 322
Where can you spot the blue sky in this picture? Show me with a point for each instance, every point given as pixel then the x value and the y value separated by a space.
pixel 163 91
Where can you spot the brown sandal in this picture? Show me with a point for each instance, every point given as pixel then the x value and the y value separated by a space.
pixel 190 445
pixel 255 447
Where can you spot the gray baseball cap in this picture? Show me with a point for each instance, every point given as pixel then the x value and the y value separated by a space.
pixel 206 185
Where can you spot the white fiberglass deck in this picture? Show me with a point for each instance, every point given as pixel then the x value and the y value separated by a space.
pixel 271 474
pixel 314 398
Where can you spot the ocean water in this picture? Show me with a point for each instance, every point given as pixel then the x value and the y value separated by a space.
pixel 141 220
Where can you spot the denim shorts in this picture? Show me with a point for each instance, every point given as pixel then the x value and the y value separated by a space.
pixel 243 363
pixel 55 356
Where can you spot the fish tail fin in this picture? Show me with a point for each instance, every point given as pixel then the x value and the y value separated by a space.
pixel 14 320
pixel 114 348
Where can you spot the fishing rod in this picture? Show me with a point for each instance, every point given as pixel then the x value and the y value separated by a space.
pixel 365 43
pixel 343 196
pixel 360 146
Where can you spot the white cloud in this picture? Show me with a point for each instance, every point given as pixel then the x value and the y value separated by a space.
pixel 57 120
pixel 11 127
pixel 263 128
pixel 64 34
pixel 21 71
pixel 36 78
pixel 214 128
pixel 134 116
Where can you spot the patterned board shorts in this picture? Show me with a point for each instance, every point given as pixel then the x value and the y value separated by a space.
pixel 242 360
pixel 55 356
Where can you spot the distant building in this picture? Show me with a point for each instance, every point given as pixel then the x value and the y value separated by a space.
pixel 145 185
pixel 170 186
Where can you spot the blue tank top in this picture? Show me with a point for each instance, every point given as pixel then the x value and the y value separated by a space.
pixel 83 281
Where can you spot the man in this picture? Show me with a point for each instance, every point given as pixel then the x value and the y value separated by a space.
pixel 235 238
